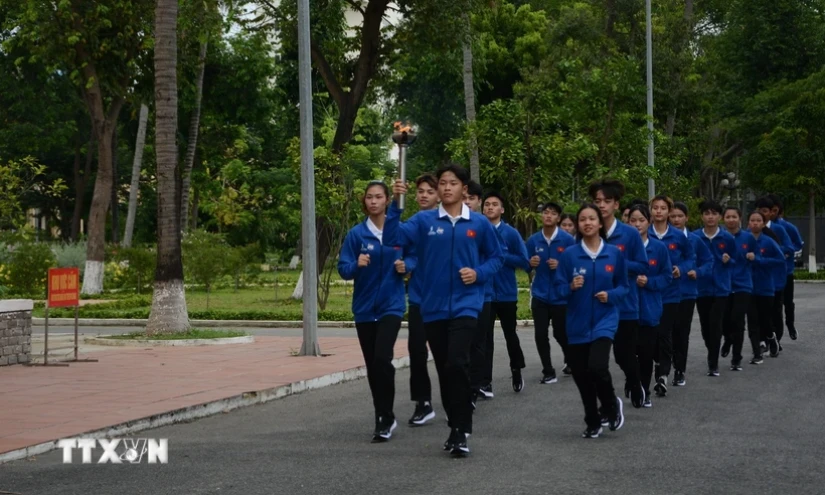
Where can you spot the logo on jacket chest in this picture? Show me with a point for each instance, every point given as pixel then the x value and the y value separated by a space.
pixel 609 268
pixel 744 246
pixel 471 233
pixel 365 248
pixel 762 251
pixel 721 245
pixel 435 231
pixel 621 247
pixel 672 246
pixel 560 249
pixel 653 262
pixel 539 249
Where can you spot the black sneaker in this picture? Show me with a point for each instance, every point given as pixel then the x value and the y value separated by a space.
pixel 637 396
pixel 726 349
pixel 423 413
pixel 487 391
pixel 648 404
pixel 567 370
pixel 757 360
pixel 736 366
pixel 460 447
pixel 661 386
pixel 713 372
pixel 792 332
pixel 679 379
pixel 774 347
pixel 549 378
pixel 518 381
pixel 383 429
pixel 592 432
pixel 618 420
pixel 605 420
pixel 451 440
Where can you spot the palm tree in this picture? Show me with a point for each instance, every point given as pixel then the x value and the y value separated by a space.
pixel 169 312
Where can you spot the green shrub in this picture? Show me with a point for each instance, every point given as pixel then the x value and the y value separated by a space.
pixel 804 275
pixel 205 258
pixel 243 265
pixel 69 255
pixel 28 269
pixel 138 266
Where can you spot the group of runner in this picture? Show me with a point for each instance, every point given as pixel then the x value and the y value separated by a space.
pixel 630 285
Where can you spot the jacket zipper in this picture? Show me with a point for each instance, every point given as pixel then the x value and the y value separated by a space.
pixel 593 301
pixel 452 249
pixel 380 279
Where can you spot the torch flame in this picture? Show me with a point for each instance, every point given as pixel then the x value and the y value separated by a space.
pixel 402 127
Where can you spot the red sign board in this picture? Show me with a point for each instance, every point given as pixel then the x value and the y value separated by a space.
pixel 64 287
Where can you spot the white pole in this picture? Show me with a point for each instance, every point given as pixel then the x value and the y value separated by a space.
pixel 651 184
pixel 310 345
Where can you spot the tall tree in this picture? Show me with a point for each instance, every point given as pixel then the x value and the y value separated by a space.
pixel 470 97
pixel 169 313
pixel 140 143
pixel 100 45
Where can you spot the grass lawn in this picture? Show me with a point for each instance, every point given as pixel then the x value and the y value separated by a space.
pixel 251 303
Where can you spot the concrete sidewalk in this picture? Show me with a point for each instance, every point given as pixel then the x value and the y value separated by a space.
pixel 132 389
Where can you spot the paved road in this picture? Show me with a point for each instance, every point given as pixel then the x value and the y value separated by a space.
pixel 758 431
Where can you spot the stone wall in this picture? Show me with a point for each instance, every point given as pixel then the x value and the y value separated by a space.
pixel 15 331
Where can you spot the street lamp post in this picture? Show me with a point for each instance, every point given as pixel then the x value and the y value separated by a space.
pixel 651 183
pixel 310 345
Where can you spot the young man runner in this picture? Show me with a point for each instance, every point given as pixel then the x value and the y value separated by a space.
pixel 689 288
pixel 505 288
pixel 682 260
pixel 426 195
pixel 481 381
pixel 766 206
pixel 459 252
pixel 545 247
pixel 777 212
pixel 714 290
pixel 606 194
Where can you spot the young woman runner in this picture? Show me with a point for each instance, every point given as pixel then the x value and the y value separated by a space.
pixel 378 304
pixel 459 252
pixel 606 194
pixel 568 224
pixel 592 277
pixel 714 290
pixel 651 288
pixel 689 292
pixel 741 286
pixel 760 311
pixel 682 260
pixel 766 206
pixel 426 195
pixel 545 247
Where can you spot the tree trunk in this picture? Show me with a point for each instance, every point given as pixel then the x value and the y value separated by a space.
pixel 140 143
pixel 194 122
pixel 114 206
pixel 470 100
pixel 80 188
pixel 812 232
pixel 96 243
pixel 168 312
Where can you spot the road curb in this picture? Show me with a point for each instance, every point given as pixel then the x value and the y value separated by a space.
pixel 204 410
pixel 107 341
pixel 106 322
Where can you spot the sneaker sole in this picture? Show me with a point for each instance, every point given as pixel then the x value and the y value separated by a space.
pixel 660 389
pixel 597 435
pixel 518 387
pixel 487 395
pixel 548 382
pixel 423 421
pixel 459 453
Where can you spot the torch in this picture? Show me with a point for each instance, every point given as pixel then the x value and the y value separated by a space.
pixel 403 136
